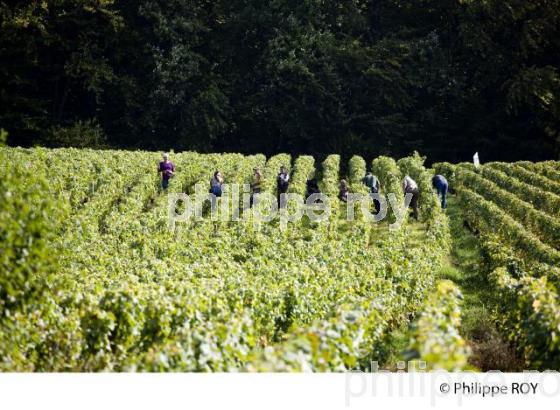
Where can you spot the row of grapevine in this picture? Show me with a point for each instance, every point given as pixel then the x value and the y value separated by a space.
pixel 390 179
pixel 28 224
pixel 530 315
pixel 446 169
pixel 387 170
pixel 486 216
pixel 350 337
pixel 435 337
pixel 539 198
pixel 515 217
pixel 212 297
pixel 528 177
pixel 157 314
pixel 543 225
pixel 304 169
pixel 548 170
pixel 345 341
pixel 498 254
pixel 330 176
pixel 356 174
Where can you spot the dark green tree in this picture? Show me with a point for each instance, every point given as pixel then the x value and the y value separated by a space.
pixel 446 77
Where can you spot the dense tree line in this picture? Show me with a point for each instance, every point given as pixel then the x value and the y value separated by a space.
pixel 445 77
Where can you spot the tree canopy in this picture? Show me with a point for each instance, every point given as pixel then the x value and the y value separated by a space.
pixel 372 77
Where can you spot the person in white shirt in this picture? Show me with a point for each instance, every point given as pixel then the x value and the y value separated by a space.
pixel 411 187
pixel 282 182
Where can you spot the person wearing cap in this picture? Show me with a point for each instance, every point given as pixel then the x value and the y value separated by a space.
pixel 411 187
pixel 167 170
pixel 282 182
pixel 440 184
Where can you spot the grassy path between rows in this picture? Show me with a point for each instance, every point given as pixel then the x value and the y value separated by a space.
pixel 465 267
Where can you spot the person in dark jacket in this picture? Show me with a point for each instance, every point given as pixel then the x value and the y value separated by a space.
pixel 312 188
pixel 216 184
pixel 343 191
pixel 256 182
pixel 440 184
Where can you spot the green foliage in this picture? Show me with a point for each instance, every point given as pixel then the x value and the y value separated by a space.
pixel 546 227
pixel 272 169
pixel 531 317
pixel 29 221
pixel 357 172
pixel 414 167
pixel 487 216
pixel 55 68
pixel 543 168
pixel 390 178
pixel 520 244
pixel 527 177
pixel 330 178
pixel 93 280
pixel 446 169
pixel 82 134
pixel 499 254
pixel 535 195
pixel 389 175
pixel 435 337
pixel 353 76
pixel 304 169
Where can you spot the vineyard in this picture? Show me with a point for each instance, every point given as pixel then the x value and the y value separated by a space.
pixel 93 279
pixel 515 211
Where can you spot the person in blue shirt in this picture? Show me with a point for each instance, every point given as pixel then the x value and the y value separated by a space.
pixel 372 183
pixel 440 184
